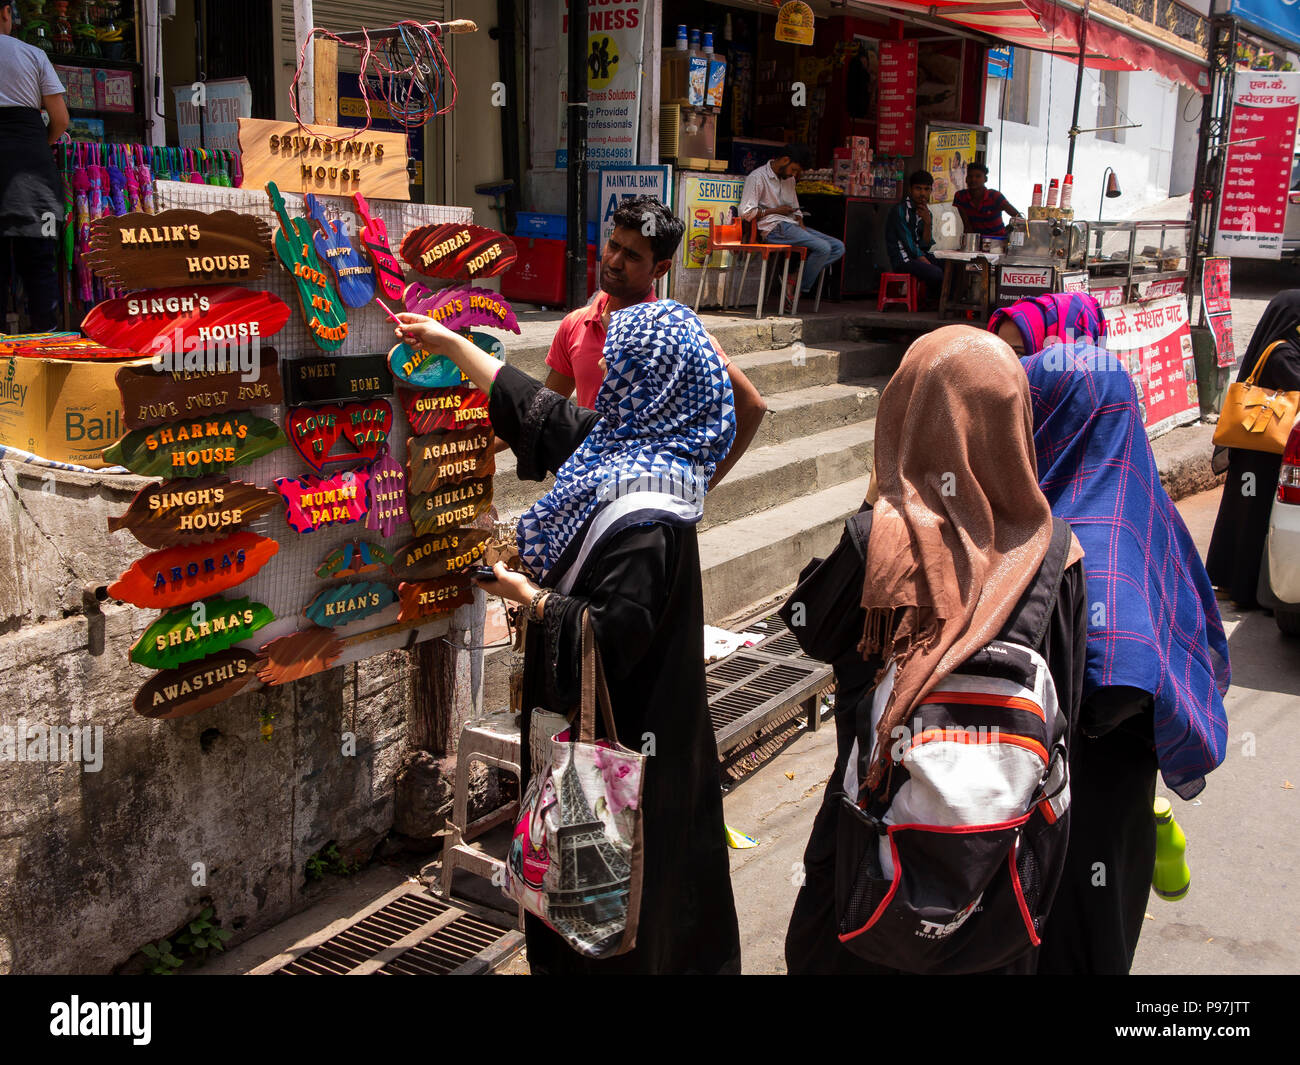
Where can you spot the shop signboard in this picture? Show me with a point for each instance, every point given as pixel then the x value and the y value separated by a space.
pixel 1153 342
pixel 329 161
pixel 208 113
pixel 1278 18
pixel 1216 290
pixel 1257 173
pixel 1023 282
pixel 706 200
pixel 947 154
pixel 794 23
pixel 1155 290
pixel 1076 281
pixel 896 129
pixel 614 35
pixel 1002 62
pixel 623 182
pixel 352 113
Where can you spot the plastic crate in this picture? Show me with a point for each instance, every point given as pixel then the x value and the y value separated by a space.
pixel 547 226
pixel 537 274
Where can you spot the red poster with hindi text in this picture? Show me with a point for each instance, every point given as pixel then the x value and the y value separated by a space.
pixel 1154 343
pixel 896 115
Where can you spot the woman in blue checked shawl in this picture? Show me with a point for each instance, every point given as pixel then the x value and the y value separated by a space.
pixel 1157 665
pixel 616 535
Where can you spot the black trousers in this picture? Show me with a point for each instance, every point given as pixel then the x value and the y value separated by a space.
pixel 33 260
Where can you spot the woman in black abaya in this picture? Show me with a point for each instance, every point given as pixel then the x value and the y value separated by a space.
pixel 1237 546
pixel 616 536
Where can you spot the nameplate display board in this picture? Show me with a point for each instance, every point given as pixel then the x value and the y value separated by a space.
pixel 461 307
pixel 196 686
pixel 345 603
pixel 326 379
pixel 193 511
pixel 179 247
pixel 186 319
pixel 331 161
pixel 196 447
pixel 154 394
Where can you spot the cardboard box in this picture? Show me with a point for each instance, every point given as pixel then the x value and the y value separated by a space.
pixel 843 166
pixel 859 144
pixel 65 410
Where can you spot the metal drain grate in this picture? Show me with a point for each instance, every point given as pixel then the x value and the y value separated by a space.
pixel 406 932
pixel 757 688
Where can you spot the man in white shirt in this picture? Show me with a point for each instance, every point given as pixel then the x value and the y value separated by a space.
pixel 31 193
pixel 769 198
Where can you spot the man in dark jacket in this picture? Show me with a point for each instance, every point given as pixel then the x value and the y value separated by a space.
pixel 908 236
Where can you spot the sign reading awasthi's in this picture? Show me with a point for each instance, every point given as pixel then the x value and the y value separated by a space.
pixel 1280 19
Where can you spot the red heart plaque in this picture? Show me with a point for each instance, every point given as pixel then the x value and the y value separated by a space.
pixel 366 426
pixel 315 430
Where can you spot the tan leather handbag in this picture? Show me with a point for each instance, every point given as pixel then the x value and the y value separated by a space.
pixel 1255 418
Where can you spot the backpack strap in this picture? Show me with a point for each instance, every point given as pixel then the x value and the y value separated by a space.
pixel 858 527
pixel 1029 621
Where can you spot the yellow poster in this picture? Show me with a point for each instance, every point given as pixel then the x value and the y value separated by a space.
pixel 794 23
pixel 947 154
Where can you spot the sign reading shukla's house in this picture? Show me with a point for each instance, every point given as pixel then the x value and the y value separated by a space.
pixel 330 160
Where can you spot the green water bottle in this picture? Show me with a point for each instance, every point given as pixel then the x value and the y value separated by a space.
pixel 1171 877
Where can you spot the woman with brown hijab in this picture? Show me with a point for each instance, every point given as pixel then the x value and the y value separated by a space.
pixel 958 537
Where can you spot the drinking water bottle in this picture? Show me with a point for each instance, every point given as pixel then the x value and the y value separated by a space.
pixel 1171 877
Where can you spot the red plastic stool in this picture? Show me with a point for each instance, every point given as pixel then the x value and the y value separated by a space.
pixel 912 290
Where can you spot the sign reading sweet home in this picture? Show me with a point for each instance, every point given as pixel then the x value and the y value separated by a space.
pixel 457 252
pixel 179 247
pixel 195 631
pixel 186 319
pixel 324 379
pixel 314 431
pixel 329 160
pixel 189 572
pixel 194 448
pixel 153 394
pixel 167 514
pixel 196 686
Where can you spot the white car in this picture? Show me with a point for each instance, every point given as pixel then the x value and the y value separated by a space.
pixel 1282 549
pixel 1291 229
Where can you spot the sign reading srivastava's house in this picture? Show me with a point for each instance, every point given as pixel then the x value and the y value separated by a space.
pixel 1257 173
pixel 329 161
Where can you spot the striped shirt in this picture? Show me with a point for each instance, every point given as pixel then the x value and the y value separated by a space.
pixel 986 218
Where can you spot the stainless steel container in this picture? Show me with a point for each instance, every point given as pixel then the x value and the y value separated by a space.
pixel 970 242
pixel 993 245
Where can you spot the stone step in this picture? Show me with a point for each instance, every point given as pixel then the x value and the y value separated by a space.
pixel 836 362
pixel 801 413
pixel 751 559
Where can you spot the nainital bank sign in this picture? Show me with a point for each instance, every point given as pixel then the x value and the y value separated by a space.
pixel 614 34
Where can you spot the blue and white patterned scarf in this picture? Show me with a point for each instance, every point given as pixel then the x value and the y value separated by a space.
pixel 667 418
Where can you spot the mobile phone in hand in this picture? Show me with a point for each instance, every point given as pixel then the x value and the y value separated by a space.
pixel 481 573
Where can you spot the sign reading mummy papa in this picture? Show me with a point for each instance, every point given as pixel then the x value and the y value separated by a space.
pixel 461 306
pixel 314 502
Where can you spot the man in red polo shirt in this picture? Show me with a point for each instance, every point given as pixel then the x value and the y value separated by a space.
pixel 639 252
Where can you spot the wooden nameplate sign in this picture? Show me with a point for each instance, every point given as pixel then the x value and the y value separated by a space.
pixel 355 558
pixel 428 557
pixel 153 394
pixel 449 507
pixel 196 686
pixel 448 458
pixel 423 369
pixel 453 251
pixel 335 379
pixel 314 502
pixel 386 495
pixel 462 306
pixel 195 511
pixel 345 603
pixel 444 409
pixel 426 599
pixel 374 238
pixel 314 431
pixel 196 447
pixel 329 161
pixel 299 654
pixel 180 247
pixel 180 319
pixel 322 309
pixel 201 629
pixel 355 277
pixel 190 572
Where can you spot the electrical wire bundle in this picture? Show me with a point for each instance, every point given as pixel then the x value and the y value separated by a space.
pixel 408 72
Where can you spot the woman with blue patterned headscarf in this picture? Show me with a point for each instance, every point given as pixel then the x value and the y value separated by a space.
pixel 615 537
pixel 1157 662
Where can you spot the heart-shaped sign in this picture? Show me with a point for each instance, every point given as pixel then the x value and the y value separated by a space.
pixel 366 426
pixel 314 431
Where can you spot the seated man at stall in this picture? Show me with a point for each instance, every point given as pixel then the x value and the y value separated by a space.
pixel 638 253
pixel 770 200
pixel 981 207
pixel 908 236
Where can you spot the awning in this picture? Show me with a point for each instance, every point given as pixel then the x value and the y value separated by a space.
pixel 1048 26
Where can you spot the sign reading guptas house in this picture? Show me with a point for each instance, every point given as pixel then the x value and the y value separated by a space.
pixel 329 160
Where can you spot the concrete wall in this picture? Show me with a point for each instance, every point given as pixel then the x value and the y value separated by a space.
pixel 179 814
pixel 1019 155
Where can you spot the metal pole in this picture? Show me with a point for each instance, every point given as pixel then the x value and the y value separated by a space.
pixel 1078 86
pixel 576 246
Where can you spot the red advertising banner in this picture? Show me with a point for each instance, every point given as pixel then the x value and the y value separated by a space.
pixel 1216 291
pixel 896 120
pixel 1252 210
pixel 1154 343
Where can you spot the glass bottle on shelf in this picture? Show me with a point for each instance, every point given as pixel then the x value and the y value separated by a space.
pixel 62 28
pixel 84 31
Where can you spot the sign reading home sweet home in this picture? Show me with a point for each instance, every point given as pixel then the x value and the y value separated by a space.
pixel 180 247
pixel 330 160
pixel 152 394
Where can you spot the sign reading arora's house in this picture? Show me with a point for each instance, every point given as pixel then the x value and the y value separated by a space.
pixel 1257 173
pixel 614 30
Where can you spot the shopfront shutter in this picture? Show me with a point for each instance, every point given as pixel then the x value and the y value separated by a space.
pixel 347 15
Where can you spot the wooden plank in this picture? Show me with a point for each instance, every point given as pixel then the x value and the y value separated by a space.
pixel 334 161
pixel 327 82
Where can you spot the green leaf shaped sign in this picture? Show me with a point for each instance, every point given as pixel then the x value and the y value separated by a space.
pixel 198 447
pixel 192 632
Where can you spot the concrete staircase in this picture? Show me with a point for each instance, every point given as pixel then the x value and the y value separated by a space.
pixel 806 470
